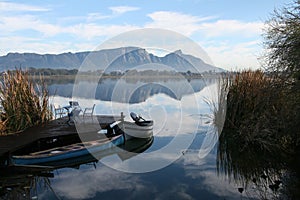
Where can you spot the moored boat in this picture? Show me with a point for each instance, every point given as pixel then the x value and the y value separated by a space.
pixel 67 152
pixel 115 134
pixel 140 128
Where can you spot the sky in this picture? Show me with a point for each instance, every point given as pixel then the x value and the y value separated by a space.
pixel 230 31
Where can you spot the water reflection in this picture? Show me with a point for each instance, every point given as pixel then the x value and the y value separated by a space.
pixel 25 182
pixel 243 169
pixel 143 88
pixel 171 116
pixel 184 179
pixel 177 112
pixel 259 172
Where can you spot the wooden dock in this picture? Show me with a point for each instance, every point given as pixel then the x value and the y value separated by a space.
pixel 55 128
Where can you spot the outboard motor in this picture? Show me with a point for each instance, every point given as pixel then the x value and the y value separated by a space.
pixel 135 117
pixel 140 120
pixel 112 129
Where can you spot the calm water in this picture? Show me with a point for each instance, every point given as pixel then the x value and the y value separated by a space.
pixel 179 164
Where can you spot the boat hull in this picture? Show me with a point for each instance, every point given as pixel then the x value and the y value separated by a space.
pixel 133 130
pixel 60 153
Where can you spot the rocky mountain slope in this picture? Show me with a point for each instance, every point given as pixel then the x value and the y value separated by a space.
pixel 119 59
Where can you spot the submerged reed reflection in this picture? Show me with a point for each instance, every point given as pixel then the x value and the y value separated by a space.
pixel 251 151
pixel 249 166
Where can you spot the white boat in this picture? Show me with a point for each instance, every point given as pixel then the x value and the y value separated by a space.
pixel 140 128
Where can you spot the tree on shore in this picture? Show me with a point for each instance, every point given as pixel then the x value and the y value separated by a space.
pixel 282 41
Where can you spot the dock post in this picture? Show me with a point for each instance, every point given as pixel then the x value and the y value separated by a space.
pixel 122 117
pixel 122 126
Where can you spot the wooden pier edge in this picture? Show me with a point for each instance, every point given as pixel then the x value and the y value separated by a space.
pixel 55 128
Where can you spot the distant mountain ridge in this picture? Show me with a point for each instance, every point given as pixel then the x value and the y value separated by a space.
pixel 118 59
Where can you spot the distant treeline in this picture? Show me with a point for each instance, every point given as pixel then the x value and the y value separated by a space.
pixel 73 72
pixel 51 72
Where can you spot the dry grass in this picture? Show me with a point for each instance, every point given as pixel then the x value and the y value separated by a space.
pixel 24 103
pixel 247 146
pixel 257 116
pixel 256 108
pixel 260 128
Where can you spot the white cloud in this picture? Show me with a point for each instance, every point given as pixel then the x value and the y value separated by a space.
pixel 85 33
pixel 70 183
pixel 235 56
pixel 182 23
pixel 231 27
pixel 34 45
pixel 6 6
pixel 189 24
pixel 205 170
pixel 215 184
pixel 95 16
pixel 119 10
pixel 27 22
pixel 91 30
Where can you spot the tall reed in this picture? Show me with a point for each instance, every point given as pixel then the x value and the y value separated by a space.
pixel 218 103
pixel 257 109
pixel 24 103
pixel 259 133
pixel 259 143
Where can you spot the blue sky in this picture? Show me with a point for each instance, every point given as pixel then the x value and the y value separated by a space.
pixel 228 30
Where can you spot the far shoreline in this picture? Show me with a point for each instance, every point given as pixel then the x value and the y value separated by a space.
pixel 124 76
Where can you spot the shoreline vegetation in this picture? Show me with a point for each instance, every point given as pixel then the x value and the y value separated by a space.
pixel 70 76
pixel 72 73
pixel 259 142
pixel 24 102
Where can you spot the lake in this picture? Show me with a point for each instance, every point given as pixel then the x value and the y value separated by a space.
pixel 180 163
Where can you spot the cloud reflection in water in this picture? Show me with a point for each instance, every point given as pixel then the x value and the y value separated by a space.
pixel 193 174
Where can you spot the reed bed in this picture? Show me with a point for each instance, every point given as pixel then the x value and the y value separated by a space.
pixel 257 109
pixel 261 128
pixel 25 104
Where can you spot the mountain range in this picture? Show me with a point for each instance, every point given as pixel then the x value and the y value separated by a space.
pixel 108 60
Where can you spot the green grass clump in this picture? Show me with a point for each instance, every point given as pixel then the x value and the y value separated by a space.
pixel 24 103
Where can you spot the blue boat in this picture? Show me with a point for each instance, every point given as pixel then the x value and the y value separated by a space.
pixel 58 154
